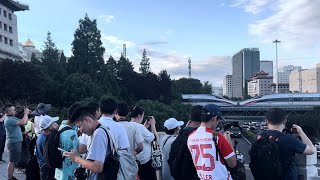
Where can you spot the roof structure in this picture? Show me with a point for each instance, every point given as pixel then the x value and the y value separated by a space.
pixel 15 5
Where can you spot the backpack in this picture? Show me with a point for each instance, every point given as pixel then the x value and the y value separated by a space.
pixel 238 172
pixel 118 165
pixel 265 162
pixel 180 160
pixel 32 166
pixel 53 157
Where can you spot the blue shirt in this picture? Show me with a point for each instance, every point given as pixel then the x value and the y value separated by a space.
pixel 13 131
pixel 68 141
pixel 39 151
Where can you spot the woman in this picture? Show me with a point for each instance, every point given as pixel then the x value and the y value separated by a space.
pixel 146 171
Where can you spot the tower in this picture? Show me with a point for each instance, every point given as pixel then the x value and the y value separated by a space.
pixel 189 61
pixel 124 51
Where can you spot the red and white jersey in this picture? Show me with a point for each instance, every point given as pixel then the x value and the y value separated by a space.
pixel 203 152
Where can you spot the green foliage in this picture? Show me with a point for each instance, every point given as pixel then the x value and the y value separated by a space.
pixel 50 52
pixel 144 64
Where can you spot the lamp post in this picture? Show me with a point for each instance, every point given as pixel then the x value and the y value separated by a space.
pixel 277 75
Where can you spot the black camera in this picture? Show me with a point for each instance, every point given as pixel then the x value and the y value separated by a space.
pixel 81 173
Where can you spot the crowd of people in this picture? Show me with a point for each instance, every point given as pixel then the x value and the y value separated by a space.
pixel 93 134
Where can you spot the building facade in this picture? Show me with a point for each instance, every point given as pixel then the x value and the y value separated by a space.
pixel 27 49
pixel 227 86
pixel 267 66
pixel 282 88
pixel 285 72
pixel 245 64
pixel 217 91
pixel 306 80
pixel 260 84
pixel 9 47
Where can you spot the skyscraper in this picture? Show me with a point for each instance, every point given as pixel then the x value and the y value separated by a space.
pixel 227 86
pixel 245 64
pixel 267 67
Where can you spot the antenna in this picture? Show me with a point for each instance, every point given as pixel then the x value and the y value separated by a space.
pixel 124 53
pixel 189 67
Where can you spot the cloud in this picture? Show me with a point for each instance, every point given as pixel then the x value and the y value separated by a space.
pixel 295 23
pixel 107 18
pixel 151 43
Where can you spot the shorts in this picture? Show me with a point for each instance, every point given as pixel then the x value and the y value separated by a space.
pixel 15 150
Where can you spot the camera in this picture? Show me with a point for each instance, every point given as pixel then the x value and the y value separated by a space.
pixel 81 173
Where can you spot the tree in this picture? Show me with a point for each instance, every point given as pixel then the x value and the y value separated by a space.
pixel 87 48
pixel 111 67
pixel 50 52
pixel 165 87
pixel 144 64
pixel 34 59
pixel 63 59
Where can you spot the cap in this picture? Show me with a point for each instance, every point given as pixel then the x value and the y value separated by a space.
pixel 42 109
pixel 46 121
pixel 213 110
pixel 172 123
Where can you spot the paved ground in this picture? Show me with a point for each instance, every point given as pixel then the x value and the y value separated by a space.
pixel 3 169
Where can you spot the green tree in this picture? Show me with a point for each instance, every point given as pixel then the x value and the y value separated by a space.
pixel 34 59
pixel 63 58
pixel 111 67
pixel 165 87
pixel 87 48
pixel 144 64
pixel 50 52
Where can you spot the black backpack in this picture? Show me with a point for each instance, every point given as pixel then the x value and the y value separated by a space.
pixel 32 166
pixel 265 162
pixel 52 155
pixel 180 160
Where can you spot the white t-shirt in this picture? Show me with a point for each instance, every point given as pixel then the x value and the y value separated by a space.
pixel 118 131
pixel 203 152
pixel 37 130
pixel 97 150
pixel 145 155
pixel 134 135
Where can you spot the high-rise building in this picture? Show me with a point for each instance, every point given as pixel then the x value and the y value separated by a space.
pixel 260 84
pixel 245 64
pixel 285 72
pixel 227 86
pixel 9 47
pixel 267 67
pixel 306 80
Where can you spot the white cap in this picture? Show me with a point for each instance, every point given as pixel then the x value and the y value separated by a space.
pixel 172 123
pixel 46 121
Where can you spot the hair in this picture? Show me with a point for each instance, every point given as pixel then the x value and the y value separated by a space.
pixel 7 107
pixel 205 115
pixel 170 132
pixel 71 109
pixel 123 109
pixel 135 111
pixel 94 105
pixel 108 106
pixel 276 116
pixel 196 113
pixel 80 113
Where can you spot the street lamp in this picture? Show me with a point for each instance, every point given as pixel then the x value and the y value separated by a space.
pixel 277 75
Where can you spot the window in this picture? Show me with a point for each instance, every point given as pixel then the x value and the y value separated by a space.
pixel 10 16
pixel 10 29
pixel 0 39
pixel 5 40
pixel 0 25
pixel 0 11
pixel 11 42
pixel 5 13
pixel 5 27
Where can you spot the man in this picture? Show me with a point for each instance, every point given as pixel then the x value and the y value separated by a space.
pixel 2 135
pixel 14 136
pixel 288 144
pixel 97 151
pixel 47 125
pixel 205 153
pixel 108 110
pixel 68 141
pixel 180 160
pixel 41 110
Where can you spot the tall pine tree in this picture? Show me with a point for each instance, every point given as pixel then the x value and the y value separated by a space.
pixel 50 52
pixel 87 48
pixel 144 64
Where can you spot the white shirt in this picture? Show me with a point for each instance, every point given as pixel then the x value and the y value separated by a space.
pixel 37 130
pixel 118 131
pixel 145 155
pixel 134 135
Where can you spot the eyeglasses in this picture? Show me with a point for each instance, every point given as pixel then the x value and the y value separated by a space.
pixel 80 124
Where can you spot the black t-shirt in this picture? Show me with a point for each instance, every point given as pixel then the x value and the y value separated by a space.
pixel 288 146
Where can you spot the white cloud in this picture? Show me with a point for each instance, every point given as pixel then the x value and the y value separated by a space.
pixel 251 6
pixel 107 18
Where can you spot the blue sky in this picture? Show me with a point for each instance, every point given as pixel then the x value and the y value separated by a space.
pixel 209 31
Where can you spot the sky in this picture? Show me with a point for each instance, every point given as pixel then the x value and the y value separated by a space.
pixel 171 31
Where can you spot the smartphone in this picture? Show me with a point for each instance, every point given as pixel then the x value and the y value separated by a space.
pixel 62 150
pixel 294 131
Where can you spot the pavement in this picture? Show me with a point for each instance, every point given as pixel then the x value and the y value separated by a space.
pixel 3 168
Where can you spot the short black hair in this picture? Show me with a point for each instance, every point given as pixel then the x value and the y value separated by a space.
pixel 276 116
pixel 135 111
pixel 196 113
pixel 169 132
pixel 205 115
pixel 7 107
pixel 94 105
pixel 122 108
pixel 108 106
pixel 71 109
pixel 80 113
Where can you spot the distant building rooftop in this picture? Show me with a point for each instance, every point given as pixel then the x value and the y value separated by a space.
pixel 15 5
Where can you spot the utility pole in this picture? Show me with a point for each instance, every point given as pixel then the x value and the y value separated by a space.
pixel 277 75
pixel 189 61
